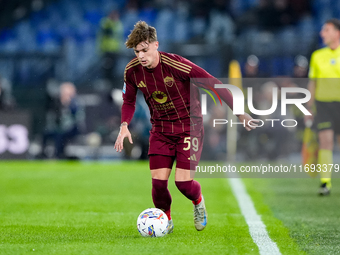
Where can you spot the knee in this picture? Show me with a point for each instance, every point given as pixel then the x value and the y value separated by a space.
pixel 183 186
pixel 190 189
pixel 159 184
pixel 326 141
pixel 326 145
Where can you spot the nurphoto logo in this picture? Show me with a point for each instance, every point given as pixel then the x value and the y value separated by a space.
pixel 238 105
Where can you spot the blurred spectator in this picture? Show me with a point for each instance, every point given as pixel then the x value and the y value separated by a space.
pixel 64 120
pixel 251 68
pixel 285 13
pixel 130 16
pixel 221 5
pixel 105 116
pixel 2 98
pixel 199 10
pixel 274 14
pixel 110 40
pixel 300 7
pixel 6 100
pixel 269 15
pixel 249 19
pixel 148 12
pixel 300 67
pixel 221 28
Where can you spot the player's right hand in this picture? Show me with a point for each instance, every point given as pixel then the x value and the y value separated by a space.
pixel 124 132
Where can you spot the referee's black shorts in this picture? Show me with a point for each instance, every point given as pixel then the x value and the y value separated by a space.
pixel 327 116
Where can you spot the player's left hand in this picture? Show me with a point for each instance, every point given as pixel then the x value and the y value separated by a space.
pixel 247 119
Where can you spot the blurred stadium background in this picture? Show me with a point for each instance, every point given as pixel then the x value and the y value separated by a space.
pixel 44 43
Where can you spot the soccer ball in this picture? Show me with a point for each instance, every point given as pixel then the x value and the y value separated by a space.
pixel 152 222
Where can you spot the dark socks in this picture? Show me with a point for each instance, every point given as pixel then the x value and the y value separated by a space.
pixel 161 196
pixel 190 189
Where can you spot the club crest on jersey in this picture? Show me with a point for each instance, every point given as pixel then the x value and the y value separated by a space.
pixel 159 97
pixel 169 81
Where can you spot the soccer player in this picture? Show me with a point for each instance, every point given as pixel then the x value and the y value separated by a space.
pixel 324 74
pixel 164 80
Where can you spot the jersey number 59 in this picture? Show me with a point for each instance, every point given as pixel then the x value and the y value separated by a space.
pixel 194 143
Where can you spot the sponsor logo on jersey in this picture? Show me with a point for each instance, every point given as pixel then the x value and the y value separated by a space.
pixel 159 97
pixel 169 81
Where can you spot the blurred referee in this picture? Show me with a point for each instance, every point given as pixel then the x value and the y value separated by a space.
pixel 324 85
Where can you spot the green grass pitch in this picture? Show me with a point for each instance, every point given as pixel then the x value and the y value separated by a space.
pixel 92 208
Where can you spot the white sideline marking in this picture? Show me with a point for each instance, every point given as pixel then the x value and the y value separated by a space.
pixel 257 229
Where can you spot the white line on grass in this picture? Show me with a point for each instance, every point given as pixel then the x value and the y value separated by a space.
pixel 257 228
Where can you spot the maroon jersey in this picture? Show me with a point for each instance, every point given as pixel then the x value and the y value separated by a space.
pixel 173 100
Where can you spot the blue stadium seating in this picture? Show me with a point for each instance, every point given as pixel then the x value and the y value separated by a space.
pixel 74 24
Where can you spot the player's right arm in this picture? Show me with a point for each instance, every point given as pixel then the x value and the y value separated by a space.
pixel 198 72
pixel 128 109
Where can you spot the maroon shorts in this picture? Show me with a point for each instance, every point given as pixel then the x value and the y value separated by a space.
pixel 186 147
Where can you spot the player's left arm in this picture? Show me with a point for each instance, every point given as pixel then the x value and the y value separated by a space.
pixel 225 94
